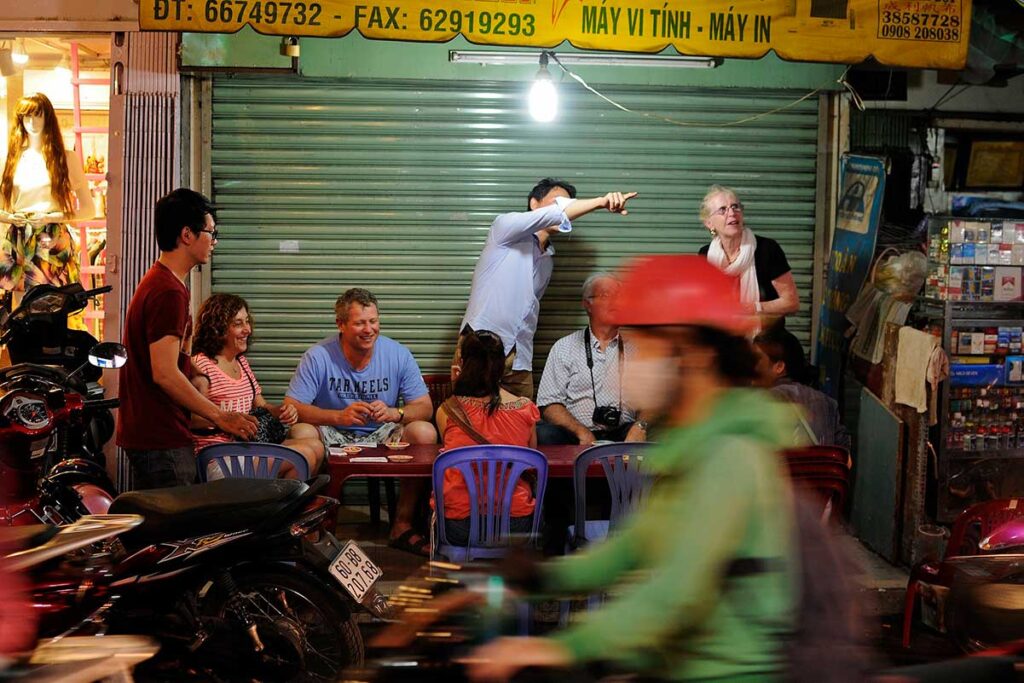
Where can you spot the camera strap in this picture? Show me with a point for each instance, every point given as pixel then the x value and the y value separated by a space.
pixel 590 365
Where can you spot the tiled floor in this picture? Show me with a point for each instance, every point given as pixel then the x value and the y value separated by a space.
pixel 881 587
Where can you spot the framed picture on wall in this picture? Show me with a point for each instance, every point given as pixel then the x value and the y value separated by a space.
pixel 995 164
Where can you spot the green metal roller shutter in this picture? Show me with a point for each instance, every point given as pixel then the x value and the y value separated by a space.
pixel 392 186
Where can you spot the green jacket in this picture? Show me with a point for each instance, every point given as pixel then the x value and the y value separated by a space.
pixel 721 493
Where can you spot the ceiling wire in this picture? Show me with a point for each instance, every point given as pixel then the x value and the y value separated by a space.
pixel 693 124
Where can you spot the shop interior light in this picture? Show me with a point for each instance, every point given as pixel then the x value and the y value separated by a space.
pixel 19 55
pixel 543 94
pixel 505 57
pixel 63 69
pixel 7 67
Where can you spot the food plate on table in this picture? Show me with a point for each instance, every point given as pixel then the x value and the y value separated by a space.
pixel 400 458
pixel 397 445
pixel 352 450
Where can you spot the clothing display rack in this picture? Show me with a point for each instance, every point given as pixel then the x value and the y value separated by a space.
pixel 92 269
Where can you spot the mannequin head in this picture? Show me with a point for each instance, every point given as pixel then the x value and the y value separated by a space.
pixel 35 125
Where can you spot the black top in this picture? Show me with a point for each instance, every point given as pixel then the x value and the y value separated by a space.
pixel 771 264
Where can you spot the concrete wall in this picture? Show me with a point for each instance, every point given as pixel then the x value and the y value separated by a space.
pixel 356 57
pixel 924 90
pixel 69 15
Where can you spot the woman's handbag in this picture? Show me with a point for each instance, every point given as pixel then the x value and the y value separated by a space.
pixel 269 429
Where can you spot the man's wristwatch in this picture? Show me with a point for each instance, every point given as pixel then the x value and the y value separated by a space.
pixel 642 424
pixel 401 415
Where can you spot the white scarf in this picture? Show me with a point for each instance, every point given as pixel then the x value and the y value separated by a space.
pixel 743 267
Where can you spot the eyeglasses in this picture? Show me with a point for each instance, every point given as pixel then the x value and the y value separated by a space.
pixel 722 210
pixel 212 233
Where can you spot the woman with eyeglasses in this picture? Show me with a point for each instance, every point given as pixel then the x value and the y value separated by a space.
pixel 765 278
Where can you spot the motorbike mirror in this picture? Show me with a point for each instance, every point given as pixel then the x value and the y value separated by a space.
pixel 108 355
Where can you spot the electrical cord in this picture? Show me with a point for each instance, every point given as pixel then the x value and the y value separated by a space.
pixel 694 124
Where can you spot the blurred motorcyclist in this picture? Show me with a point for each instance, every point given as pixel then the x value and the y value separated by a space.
pixel 17 616
pixel 703 579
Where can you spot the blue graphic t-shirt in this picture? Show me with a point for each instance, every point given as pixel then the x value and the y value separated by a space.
pixel 326 379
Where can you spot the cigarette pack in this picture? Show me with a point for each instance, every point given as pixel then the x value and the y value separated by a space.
pixel 996 234
pixel 1008 283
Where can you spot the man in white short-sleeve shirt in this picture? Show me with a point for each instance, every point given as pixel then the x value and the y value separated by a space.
pixel 580 393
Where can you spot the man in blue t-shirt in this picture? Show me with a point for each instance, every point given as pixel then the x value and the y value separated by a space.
pixel 350 387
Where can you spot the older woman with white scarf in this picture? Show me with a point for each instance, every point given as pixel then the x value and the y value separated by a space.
pixel 766 280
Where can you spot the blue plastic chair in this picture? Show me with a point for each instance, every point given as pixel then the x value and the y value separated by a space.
pixel 491 473
pixel 627 482
pixel 239 459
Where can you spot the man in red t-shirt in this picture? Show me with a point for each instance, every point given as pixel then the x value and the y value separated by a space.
pixel 156 395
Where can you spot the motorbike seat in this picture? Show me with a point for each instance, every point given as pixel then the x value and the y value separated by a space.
pixel 218 506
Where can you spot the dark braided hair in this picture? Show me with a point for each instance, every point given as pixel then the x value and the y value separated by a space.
pixel 483 365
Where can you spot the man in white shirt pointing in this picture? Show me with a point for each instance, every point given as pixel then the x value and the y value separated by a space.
pixel 515 267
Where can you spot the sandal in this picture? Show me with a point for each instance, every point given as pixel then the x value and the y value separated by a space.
pixel 405 542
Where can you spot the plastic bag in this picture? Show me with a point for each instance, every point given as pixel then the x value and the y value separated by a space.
pixel 902 275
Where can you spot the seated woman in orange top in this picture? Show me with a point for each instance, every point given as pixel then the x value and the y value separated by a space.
pixel 496 417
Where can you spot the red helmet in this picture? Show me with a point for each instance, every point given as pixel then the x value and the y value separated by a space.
pixel 680 290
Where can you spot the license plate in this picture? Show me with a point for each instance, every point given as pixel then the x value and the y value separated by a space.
pixel 355 571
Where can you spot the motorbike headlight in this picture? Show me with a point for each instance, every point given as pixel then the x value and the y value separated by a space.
pixel 48 303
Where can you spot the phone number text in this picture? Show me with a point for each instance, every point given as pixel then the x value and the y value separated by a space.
pixel 293 13
pixel 280 12
pixel 919 26
pixel 485 23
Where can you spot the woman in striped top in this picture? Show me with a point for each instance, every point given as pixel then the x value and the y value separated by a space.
pixel 223 375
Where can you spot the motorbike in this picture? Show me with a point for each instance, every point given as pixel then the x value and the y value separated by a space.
pixel 53 418
pixel 981 608
pixel 48 474
pixel 37 330
pixel 29 549
pixel 450 610
pixel 235 578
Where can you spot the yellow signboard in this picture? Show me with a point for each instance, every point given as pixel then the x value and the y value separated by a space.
pixel 915 33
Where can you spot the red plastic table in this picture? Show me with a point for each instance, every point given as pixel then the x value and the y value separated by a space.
pixel 560 464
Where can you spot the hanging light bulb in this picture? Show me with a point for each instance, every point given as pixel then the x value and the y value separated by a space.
pixel 18 53
pixel 543 94
pixel 63 69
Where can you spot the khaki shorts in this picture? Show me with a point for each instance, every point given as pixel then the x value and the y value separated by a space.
pixel 332 436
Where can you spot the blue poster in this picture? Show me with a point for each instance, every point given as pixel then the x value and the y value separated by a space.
pixel 862 182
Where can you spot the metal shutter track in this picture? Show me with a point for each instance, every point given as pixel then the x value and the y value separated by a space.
pixel 392 185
